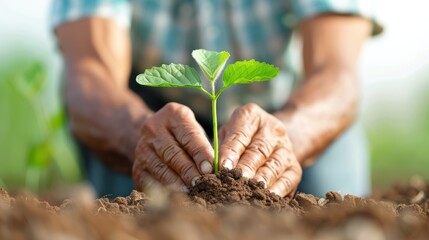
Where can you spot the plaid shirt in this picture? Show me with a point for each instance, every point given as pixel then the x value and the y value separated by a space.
pixel 165 31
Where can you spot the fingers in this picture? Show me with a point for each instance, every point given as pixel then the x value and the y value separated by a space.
pixel 173 148
pixel 257 142
pixel 256 154
pixel 237 134
pixel 273 168
pixel 288 182
pixel 192 138
pixel 174 156
pixel 149 168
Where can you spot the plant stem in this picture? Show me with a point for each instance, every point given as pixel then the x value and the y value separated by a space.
pixel 215 136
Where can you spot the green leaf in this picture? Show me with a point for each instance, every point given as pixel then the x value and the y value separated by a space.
pixel 212 63
pixel 243 72
pixel 172 75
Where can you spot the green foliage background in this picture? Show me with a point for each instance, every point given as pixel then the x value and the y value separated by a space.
pixel 36 151
pixel 399 141
pixel 396 156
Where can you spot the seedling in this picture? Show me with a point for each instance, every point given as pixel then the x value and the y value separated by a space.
pixel 212 64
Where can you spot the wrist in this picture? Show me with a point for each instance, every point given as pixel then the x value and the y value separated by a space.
pixel 300 138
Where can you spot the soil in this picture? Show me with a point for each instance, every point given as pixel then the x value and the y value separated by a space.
pixel 230 188
pixel 220 206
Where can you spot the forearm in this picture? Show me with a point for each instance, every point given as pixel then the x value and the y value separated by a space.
pixel 326 103
pixel 318 112
pixel 104 116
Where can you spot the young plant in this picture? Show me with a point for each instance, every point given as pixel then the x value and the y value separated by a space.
pixel 211 63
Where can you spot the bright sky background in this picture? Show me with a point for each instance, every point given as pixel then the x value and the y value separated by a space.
pixel 403 47
pixel 394 64
pixel 390 62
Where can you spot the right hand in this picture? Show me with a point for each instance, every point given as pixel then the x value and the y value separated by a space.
pixel 173 149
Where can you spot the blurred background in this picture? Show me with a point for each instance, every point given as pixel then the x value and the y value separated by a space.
pixel 36 150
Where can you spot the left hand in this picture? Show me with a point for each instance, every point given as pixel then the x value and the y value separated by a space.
pixel 257 143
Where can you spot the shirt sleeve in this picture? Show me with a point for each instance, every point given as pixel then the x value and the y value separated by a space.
pixel 304 9
pixel 69 10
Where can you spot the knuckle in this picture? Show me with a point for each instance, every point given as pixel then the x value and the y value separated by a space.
pixel 276 163
pixel 171 107
pixel 187 172
pixel 188 136
pixel 270 173
pixel 143 156
pixel 157 168
pixel 265 174
pixel 178 110
pixel 250 113
pixel 287 183
pixel 239 137
pixel 261 147
pixel 251 107
pixel 149 128
pixel 230 150
pixel 184 113
pixel 248 166
pixel 170 179
pixel 169 153
pixel 162 173
pixel 198 152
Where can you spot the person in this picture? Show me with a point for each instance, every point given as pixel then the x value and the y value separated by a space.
pixel 163 135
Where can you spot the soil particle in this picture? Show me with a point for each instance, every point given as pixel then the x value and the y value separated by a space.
pixel 334 197
pixel 259 195
pixel 350 200
pixel 236 173
pixel 307 201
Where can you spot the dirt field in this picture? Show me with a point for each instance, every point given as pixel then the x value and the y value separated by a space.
pixel 221 206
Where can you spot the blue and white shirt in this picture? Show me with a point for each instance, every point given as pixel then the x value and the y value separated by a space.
pixel 166 31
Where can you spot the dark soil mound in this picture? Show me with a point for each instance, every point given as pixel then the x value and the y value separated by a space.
pixel 228 187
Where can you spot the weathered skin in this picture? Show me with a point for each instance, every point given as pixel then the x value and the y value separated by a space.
pixel 129 137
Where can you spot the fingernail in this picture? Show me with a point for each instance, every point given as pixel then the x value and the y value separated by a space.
pixel 194 180
pixel 227 164
pixel 184 189
pixel 206 167
pixel 246 174
pixel 275 191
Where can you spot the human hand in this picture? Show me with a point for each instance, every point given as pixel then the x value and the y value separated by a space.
pixel 173 149
pixel 257 142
